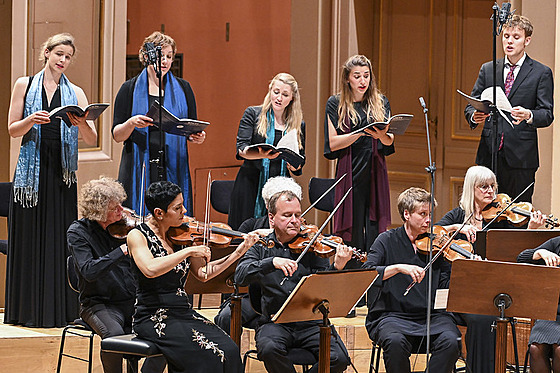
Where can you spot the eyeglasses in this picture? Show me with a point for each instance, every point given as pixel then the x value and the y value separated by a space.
pixel 486 187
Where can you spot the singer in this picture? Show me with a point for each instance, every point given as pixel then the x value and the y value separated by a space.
pixel 528 84
pixel 366 212
pixel 141 139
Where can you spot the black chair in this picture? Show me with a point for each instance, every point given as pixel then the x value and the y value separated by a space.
pixel 317 187
pixel 5 192
pixel 298 356
pixel 78 327
pixel 131 347
pixel 220 195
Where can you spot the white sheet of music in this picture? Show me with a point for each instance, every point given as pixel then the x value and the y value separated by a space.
pixel 440 303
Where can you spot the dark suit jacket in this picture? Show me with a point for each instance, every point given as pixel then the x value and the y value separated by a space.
pixel 532 89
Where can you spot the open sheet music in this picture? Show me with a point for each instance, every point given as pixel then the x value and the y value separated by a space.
pixel 397 124
pixel 483 103
pixel 93 112
pixel 171 124
pixel 287 147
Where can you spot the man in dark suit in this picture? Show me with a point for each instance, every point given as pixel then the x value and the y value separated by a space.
pixel 528 84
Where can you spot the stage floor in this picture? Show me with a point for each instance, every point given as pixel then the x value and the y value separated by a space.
pixel 34 350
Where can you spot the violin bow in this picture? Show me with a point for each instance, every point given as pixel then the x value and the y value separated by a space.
pixel 438 254
pixel 507 207
pixel 323 195
pixel 206 235
pixel 310 243
pixel 142 187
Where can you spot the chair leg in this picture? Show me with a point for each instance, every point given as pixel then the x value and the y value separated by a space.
pixel 90 360
pixel 374 361
pixel 61 350
pixel 131 364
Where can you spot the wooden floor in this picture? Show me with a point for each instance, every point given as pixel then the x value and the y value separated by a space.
pixel 34 350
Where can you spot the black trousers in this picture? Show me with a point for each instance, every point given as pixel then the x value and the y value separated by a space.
pixel 249 317
pixel 274 340
pixel 112 320
pixel 397 348
pixel 512 181
pixel 480 341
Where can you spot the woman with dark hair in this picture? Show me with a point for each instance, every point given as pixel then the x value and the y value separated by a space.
pixel 366 212
pixel 44 194
pixel 279 114
pixel 141 138
pixel 189 342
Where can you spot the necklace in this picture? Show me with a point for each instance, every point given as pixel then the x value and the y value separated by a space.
pixel 477 219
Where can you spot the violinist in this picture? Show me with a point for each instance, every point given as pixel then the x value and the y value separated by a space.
pixel 106 285
pixel 398 323
pixel 544 340
pixel 260 225
pixel 266 267
pixel 163 314
pixel 479 191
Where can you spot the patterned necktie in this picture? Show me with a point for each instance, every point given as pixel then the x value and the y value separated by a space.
pixel 509 79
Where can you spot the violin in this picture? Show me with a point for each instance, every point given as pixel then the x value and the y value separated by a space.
pixel 191 232
pixel 129 221
pixel 455 250
pixel 517 214
pixel 323 247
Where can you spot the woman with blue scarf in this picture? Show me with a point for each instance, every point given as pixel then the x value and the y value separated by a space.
pixel 279 114
pixel 44 191
pixel 141 139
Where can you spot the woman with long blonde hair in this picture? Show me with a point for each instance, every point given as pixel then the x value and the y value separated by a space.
pixel 366 211
pixel 44 194
pixel 279 114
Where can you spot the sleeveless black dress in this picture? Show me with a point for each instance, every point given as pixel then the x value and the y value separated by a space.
pixel 164 316
pixel 37 293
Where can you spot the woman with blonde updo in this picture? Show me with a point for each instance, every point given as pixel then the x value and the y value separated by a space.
pixel 44 193
pixel 279 114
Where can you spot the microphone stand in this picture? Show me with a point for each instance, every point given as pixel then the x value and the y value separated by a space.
pixel 493 108
pixel 431 169
pixel 161 160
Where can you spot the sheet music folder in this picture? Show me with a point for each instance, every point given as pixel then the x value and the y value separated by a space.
pixel 342 289
pixel 171 124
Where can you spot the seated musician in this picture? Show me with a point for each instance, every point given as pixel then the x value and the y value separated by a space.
pixel 107 291
pixel 260 225
pixel 479 190
pixel 396 322
pixel 267 267
pixel 163 314
pixel 544 340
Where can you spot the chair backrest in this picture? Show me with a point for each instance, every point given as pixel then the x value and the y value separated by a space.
pixel 220 195
pixel 317 187
pixel 71 274
pixel 5 192
pixel 255 295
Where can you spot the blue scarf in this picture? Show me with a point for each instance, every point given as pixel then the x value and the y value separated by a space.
pixel 260 208
pixel 176 152
pixel 26 178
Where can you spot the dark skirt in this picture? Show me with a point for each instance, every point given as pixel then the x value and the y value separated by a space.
pixel 37 292
pixel 545 331
pixel 189 342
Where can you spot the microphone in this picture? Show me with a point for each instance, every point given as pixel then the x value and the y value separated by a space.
pixel 151 54
pixel 423 103
pixel 504 13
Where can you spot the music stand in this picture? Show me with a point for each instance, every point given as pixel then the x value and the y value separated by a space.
pixel 321 295
pixel 505 244
pixel 524 290
pixel 223 283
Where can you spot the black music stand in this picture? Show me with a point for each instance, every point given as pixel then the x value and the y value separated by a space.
pixel 321 295
pixel 223 283
pixel 524 290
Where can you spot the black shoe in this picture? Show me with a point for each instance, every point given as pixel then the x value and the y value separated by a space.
pixel 351 314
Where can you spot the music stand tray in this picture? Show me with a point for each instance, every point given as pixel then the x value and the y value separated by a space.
pixel 321 295
pixel 520 290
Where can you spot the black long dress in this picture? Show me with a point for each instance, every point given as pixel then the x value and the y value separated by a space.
pixel 37 294
pixel 189 342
